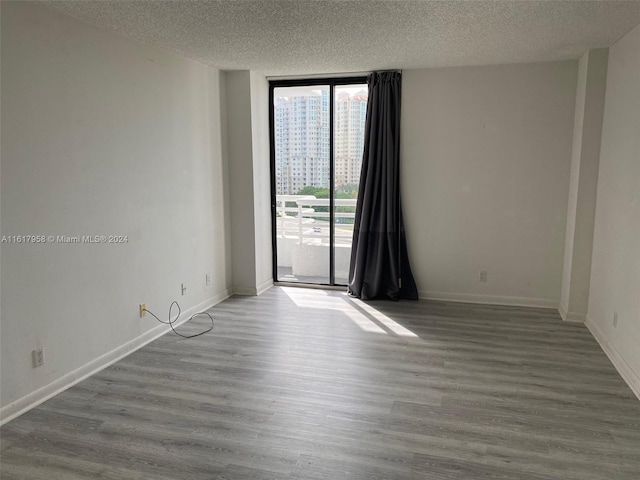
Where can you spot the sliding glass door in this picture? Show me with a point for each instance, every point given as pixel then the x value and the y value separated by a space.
pixel 302 175
pixel 317 133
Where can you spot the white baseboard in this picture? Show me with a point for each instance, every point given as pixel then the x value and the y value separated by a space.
pixel 35 398
pixel 253 291
pixel 264 286
pixel 489 299
pixel 249 291
pixel 571 316
pixel 624 369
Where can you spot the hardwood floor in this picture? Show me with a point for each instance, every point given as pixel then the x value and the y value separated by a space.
pixel 310 384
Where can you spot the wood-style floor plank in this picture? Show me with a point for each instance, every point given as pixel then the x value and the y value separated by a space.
pixel 310 384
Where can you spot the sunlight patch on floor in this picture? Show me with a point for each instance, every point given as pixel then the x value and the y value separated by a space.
pixel 360 313
pixel 392 325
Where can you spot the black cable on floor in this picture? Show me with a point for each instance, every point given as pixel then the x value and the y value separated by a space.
pixel 171 322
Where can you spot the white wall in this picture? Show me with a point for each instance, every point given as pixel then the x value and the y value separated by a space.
pixel 101 135
pixel 587 133
pixel 574 182
pixel 247 127
pixel 615 271
pixel 485 160
pixel 261 179
pixel 240 160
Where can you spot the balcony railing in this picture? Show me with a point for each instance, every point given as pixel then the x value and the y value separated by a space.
pixel 308 224
pixel 303 236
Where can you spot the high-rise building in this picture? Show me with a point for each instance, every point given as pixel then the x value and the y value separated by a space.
pixel 350 117
pixel 301 129
pixel 302 140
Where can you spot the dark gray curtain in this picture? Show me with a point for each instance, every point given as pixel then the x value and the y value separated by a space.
pixel 379 261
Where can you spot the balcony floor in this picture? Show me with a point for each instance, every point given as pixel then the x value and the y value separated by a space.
pixel 286 275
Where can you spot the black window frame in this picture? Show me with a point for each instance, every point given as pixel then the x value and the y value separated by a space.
pixel 331 82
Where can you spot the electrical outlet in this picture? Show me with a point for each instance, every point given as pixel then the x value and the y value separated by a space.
pixel 207 279
pixel 615 319
pixel 37 356
pixel 184 288
pixel 143 309
pixel 483 276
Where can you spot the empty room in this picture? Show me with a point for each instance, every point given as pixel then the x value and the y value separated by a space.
pixel 320 239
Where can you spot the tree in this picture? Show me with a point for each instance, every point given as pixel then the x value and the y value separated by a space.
pixel 315 191
pixel 343 191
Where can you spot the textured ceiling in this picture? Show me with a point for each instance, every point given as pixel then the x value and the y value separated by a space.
pixel 297 37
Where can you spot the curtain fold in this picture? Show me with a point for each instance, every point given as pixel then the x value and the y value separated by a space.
pixel 379 266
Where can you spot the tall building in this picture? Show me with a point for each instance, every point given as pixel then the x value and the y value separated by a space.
pixel 302 140
pixel 350 116
pixel 301 130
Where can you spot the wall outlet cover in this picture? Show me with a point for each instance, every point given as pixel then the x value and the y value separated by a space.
pixel 37 356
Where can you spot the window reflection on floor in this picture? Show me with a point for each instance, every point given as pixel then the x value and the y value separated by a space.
pixel 360 313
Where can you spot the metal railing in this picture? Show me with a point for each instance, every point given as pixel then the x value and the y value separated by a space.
pixel 304 221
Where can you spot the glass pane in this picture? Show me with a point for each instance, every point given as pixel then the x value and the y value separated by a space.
pixel 350 112
pixel 301 133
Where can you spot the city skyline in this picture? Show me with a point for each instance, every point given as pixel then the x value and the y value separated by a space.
pixel 301 131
